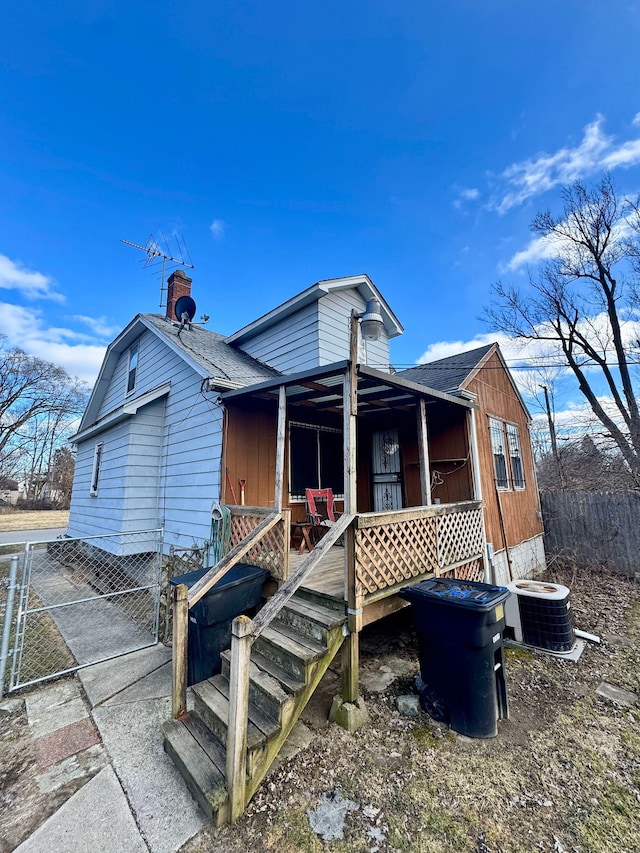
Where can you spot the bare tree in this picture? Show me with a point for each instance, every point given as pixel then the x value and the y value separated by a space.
pixel 582 301
pixel 39 405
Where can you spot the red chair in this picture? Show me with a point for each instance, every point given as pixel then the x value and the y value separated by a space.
pixel 320 511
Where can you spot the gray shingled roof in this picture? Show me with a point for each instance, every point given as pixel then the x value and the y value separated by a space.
pixel 209 350
pixel 446 374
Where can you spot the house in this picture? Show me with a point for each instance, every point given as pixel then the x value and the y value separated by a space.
pixel 182 417
pixel 508 487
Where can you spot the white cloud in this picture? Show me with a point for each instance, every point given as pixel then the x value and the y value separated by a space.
pixel 595 152
pixel 217 228
pixel 545 248
pixel 470 194
pixel 69 349
pixel 540 249
pixel 98 325
pixel 31 284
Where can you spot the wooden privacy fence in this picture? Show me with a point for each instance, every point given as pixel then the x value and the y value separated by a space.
pixel 595 528
pixel 395 547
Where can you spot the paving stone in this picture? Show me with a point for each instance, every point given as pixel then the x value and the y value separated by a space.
pixel 82 765
pixel 55 707
pixel 376 679
pixel 617 694
pixel 64 742
pixel 101 810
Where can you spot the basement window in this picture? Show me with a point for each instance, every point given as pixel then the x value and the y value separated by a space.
pixel 315 459
pixel 95 473
pixel 133 367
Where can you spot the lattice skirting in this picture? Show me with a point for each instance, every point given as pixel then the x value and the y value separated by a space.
pixel 396 551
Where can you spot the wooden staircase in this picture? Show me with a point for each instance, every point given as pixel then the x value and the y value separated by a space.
pixel 287 662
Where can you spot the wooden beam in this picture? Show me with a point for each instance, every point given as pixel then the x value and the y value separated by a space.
pixel 423 447
pixel 234 556
pixel 238 715
pixel 280 444
pixel 180 646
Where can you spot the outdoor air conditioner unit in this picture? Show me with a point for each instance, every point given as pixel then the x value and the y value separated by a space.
pixel 539 614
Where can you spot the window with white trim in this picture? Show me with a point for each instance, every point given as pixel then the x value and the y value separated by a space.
pixel 496 431
pixel 95 473
pixel 515 457
pixel 315 459
pixel 133 367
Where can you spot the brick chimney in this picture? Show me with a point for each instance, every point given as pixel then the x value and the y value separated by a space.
pixel 179 285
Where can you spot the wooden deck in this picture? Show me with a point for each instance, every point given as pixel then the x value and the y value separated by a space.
pixel 328 576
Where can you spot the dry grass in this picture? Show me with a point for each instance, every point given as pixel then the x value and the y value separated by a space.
pixel 32 519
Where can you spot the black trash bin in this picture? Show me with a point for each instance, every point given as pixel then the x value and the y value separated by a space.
pixel 210 619
pixel 459 626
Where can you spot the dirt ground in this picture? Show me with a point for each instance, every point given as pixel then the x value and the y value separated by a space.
pixel 563 775
pixel 11 520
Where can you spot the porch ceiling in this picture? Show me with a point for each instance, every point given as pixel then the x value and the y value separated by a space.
pixel 321 389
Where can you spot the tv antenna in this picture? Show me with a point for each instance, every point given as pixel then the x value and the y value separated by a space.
pixel 159 254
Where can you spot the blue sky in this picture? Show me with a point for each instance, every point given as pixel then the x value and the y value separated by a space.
pixel 287 144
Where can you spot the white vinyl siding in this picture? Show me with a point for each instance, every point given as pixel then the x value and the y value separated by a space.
pixel 334 315
pixel 316 335
pixel 290 345
pixel 161 465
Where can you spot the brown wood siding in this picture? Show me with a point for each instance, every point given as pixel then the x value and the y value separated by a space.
pixel 449 454
pixel 250 453
pixel 520 508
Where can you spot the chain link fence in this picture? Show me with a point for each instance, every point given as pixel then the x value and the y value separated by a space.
pixel 81 601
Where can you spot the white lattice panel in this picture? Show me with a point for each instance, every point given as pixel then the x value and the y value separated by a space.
pixel 459 536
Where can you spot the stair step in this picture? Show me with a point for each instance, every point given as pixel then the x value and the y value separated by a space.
pixel 321 598
pixel 202 776
pixel 212 706
pixel 265 691
pixel 310 618
pixel 289 682
pixel 263 722
pixel 293 651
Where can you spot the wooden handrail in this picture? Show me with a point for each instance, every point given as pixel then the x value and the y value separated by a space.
pixel 234 556
pixel 289 587
pixel 372 519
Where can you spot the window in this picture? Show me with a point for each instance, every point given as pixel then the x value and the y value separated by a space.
pixel 504 435
pixel 496 429
pixel 133 365
pixel 95 474
pixel 517 472
pixel 315 459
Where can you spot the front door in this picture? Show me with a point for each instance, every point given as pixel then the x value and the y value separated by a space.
pixel 387 482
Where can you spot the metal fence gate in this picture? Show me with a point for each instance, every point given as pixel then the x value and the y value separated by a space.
pixel 79 602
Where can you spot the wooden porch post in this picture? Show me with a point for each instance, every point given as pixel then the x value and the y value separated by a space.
pixel 350 649
pixel 180 643
pixel 473 448
pixel 423 446
pixel 281 433
pixel 238 716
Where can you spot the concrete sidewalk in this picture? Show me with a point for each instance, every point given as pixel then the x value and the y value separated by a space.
pixel 134 798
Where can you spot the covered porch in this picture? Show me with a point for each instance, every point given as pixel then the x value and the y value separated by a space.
pixel 401 459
